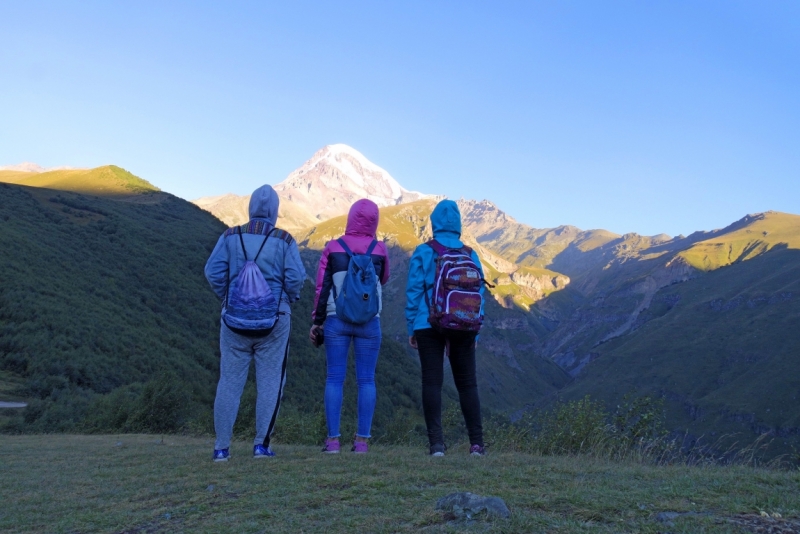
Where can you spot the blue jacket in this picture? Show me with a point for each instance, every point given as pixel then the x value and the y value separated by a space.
pixel 446 224
pixel 279 260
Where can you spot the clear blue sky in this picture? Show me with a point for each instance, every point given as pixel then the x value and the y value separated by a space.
pixel 640 116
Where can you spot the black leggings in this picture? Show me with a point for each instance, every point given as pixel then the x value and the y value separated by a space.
pixel 431 344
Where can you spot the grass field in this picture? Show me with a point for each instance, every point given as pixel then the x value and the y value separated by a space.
pixel 146 483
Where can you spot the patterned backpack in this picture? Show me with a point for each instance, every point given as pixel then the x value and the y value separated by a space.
pixel 250 308
pixel 456 300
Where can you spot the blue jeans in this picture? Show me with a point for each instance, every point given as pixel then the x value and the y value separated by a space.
pixel 367 341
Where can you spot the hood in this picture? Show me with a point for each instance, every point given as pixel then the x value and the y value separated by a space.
pixel 264 204
pixel 363 218
pixel 446 218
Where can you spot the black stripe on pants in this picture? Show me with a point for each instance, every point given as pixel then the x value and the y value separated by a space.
pixel 431 345
pixel 280 395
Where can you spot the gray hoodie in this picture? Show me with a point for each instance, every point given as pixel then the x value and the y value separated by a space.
pixel 279 260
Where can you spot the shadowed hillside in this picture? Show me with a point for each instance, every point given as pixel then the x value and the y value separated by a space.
pixel 721 349
pixel 98 294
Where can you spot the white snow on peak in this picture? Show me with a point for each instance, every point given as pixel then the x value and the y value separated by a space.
pixel 342 167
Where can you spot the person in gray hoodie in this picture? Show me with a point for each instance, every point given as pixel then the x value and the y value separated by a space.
pixel 280 264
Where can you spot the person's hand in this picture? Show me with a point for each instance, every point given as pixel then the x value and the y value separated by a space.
pixel 312 334
pixel 413 342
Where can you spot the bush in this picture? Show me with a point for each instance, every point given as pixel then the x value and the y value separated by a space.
pixel 585 427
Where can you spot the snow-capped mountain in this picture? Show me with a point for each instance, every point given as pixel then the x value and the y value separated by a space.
pixel 336 176
pixel 323 187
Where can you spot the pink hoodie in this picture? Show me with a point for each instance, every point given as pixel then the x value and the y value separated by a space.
pixel 362 223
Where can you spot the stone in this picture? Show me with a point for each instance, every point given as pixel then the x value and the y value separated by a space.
pixel 466 505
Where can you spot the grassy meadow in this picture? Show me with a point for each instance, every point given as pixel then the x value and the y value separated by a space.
pixel 149 483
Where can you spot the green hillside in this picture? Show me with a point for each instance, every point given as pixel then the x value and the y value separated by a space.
pixel 99 294
pixel 746 239
pixel 101 181
pixel 108 324
pixel 722 349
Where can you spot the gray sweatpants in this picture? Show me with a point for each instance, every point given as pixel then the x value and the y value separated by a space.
pixel 271 353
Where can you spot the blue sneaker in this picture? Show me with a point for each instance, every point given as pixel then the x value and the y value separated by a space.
pixel 260 451
pixel 221 455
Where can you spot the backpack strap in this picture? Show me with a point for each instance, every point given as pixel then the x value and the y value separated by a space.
pixel 345 247
pixel 244 251
pixel 441 249
pixel 350 252
pixel 436 246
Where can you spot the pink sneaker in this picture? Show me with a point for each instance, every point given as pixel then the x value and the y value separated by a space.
pixel 360 447
pixel 331 446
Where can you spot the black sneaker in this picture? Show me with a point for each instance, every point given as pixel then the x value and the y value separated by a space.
pixel 477 450
pixel 437 449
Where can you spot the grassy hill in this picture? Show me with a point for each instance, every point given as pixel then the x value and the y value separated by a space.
pixel 102 181
pixel 746 239
pixel 100 295
pixel 147 483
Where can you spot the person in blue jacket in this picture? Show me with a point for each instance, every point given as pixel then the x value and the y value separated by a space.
pixel 431 343
pixel 280 264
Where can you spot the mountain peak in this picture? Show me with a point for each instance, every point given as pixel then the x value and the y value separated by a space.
pixel 337 175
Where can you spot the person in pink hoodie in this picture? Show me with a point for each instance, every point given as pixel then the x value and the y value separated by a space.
pixel 359 237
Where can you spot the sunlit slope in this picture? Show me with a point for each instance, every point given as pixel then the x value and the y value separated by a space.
pixel 511 371
pixel 723 349
pixel 613 286
pixel 748 238
pixel 101 181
